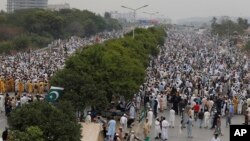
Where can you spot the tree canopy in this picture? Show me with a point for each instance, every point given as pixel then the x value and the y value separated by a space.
pixel 227 26
pixel 38 27
pixel 116 67
pixel 42 121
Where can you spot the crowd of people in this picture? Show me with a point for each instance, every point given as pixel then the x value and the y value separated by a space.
pixel 27 74
pixel 196 76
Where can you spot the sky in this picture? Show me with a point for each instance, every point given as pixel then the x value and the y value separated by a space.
pixel 174 9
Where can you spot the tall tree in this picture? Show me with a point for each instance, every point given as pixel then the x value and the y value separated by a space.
pixel 55 124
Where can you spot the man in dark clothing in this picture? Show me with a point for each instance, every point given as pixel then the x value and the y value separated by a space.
pixel 201 117
pixel 218 105
pixel 215 120
pixel 5 135
pixel 155 107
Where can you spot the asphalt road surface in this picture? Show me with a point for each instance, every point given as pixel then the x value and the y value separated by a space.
pixel 199 134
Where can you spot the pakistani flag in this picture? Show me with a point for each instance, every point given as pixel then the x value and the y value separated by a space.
pixel 54 94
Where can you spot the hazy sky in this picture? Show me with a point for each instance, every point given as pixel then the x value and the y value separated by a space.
pixel 174 9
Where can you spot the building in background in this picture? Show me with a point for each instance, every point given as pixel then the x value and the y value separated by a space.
pixel 13 5
pixel 58 7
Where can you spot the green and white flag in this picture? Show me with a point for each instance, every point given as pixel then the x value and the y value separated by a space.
pixel 54 94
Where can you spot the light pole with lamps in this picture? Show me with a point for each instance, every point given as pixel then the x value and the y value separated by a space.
pixel 134 14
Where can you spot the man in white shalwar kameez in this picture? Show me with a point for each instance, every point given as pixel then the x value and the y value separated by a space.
pixel 157 129
pixel 164 131
pixel 241 102
pixel 172 117
pixel 88 118
pixel 206 118
pixel 150 117
pixel 123 122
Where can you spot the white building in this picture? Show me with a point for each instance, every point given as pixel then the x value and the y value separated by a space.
pixel 13 5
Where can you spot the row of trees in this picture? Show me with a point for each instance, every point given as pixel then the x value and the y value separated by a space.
pixel 90 78
pixel 227 26
pixel 38 27
pixel 116 67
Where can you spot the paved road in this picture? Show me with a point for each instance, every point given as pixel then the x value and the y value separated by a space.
pixel 199 134
pixel 3 123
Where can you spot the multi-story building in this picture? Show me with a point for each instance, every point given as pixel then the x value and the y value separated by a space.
pixel 13 5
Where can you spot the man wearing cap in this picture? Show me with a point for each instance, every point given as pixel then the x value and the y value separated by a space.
pixel 123 122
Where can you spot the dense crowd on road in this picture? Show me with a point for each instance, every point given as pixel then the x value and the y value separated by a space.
pixel 198 77
pixel 27 74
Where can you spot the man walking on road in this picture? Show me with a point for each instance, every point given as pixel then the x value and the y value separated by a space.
pixel 146 129
pixel 157 131
pixel 201 117
pixel 206 118
pixel 123 122
pixel 164 131
pixel 172 117
pixel 111 129
pixel 189 127
pixel 150 117
pixel 131 116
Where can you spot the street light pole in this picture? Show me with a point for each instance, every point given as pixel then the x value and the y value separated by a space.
pixel 134 15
